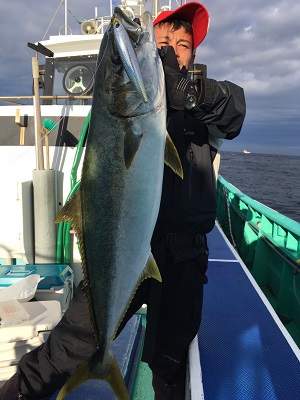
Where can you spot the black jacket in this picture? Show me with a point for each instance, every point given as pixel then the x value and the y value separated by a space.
pixel 188 206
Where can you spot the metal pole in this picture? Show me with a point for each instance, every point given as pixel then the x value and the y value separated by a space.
pixel 44 192
pixel 37 115
pixel 66 17
pixel 155 8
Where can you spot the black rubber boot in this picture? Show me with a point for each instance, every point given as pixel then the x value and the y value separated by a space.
pixel 10 390
pixel 168 391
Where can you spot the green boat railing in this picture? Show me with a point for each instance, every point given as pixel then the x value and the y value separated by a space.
pixel 269 244
pixel 63 246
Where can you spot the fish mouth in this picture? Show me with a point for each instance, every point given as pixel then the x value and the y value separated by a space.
pixel 132 26
pixel 128 34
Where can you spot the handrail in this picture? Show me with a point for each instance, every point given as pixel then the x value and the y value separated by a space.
pixel 63 234
pixel 278 218
pixel 79 150
pixel 9 99
pixel 269 244
pixel 278 229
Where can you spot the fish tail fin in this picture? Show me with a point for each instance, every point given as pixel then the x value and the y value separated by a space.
pixel 97 368
pixel 81 375
pixel 172 158
pixel 116 381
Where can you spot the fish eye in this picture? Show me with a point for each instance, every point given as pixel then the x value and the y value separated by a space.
pixel 116 59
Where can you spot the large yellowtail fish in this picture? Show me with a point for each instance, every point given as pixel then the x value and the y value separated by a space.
pixel 115 210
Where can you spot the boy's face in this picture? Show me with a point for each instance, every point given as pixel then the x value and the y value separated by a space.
pixel 180 40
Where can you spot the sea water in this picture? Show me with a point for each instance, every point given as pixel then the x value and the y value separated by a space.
pixel 271 179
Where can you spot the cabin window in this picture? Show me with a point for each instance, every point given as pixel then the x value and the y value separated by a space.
pixel 69 77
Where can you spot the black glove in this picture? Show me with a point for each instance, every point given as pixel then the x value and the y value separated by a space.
pixel 176 84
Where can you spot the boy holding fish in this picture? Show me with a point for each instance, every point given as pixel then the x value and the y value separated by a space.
pixel 199 115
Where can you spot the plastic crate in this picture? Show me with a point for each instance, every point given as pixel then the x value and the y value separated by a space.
pixel 56 280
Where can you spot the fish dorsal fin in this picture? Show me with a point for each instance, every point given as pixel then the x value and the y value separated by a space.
pixel 132 143
pixel 71 211
pixel 172 157
pixel 150 271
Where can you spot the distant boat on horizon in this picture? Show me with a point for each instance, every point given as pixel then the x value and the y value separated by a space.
pixel 247 152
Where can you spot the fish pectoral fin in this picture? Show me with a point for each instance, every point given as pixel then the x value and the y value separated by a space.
pixel 172 158
pixel 151 270
pixel 132 143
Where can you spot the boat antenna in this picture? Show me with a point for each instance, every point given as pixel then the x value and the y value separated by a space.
pixel 155 8
pixel 60 3
pixel 66 17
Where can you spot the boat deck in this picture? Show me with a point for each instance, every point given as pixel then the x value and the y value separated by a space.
pixel 245 351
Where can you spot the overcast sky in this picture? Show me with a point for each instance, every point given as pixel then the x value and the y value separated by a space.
pixel 255 44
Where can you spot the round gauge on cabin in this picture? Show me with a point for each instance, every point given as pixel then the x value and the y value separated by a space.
pixel 78 80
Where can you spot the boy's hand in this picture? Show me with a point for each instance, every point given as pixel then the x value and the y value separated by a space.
pixel 176 85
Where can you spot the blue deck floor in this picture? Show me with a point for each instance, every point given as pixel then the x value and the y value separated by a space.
pixel 245 352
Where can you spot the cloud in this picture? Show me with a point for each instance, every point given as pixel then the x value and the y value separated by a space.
pixel 257 45
pixel 253 44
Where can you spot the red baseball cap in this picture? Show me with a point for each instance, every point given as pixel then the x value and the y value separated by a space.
pixel 194 13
